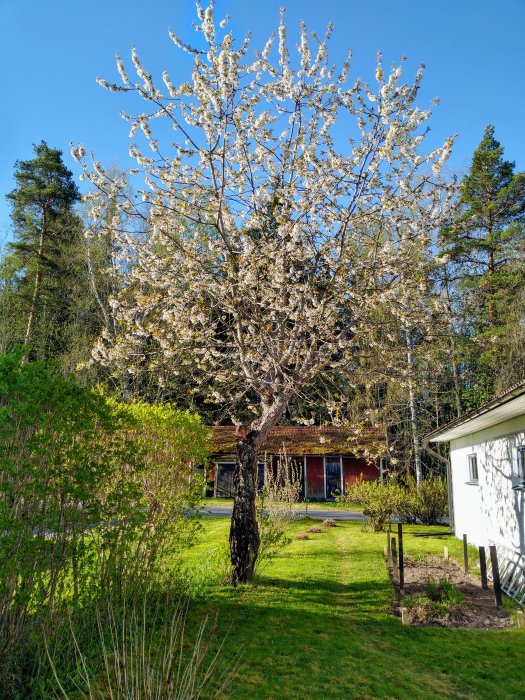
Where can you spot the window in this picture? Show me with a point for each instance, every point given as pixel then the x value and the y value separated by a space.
pixel 332 476
pixel 473 468
pixel 521 462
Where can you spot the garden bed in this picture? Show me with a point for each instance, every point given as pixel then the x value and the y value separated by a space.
pixel 465 603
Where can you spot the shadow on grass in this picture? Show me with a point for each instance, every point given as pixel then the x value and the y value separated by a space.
pixel 337 640
pixel 363 595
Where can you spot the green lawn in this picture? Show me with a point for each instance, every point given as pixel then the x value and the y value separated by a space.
pixel 316 624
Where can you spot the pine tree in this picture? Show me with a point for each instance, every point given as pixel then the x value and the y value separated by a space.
pixel 483 243
pixel 45 299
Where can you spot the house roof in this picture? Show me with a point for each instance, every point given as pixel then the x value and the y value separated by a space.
pixel 302 440
pixel 509 404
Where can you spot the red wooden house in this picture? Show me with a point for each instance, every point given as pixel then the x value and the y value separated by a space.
pixel 328 459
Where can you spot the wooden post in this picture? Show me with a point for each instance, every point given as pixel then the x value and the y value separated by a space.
pixel 400 555
pixel 445 554
pixel 389 557
pixel 520 618
pixel 395 569
pixel 465 553
pixel 404 616
pixel 483 567
pixel 495 575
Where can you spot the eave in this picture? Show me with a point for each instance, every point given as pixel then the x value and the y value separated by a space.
pixel 507 405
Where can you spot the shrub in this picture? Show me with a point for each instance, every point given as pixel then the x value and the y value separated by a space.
pixel 427 504
pixel 93 496
pixel 432 501
pixel 380 501
pixel 438 601
pixel 329 522
pixel 302 536
pixel 168 490
pixel 314 528
pixel 276 507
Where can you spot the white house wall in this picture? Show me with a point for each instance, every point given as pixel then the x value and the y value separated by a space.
pixel 490 511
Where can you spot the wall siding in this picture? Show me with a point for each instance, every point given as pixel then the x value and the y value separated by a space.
pixel 490 510
pixel 353 468
pixel 314 477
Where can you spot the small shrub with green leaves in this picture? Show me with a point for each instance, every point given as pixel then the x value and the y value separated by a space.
pixel 427 504
pixel 432 501
pixel 438 601
pixel 379 500
pixel 444 592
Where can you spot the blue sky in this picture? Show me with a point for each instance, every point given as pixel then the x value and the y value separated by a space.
pixel 52 50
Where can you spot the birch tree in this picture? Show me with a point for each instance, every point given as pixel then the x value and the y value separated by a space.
pixel 281 213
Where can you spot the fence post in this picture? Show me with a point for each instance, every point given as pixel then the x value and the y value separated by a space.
pixel 483 567
pixel 465 553
pixel 395 569
pixel 445 554
pixel 400 555
pixel 389 557
pixel 495 574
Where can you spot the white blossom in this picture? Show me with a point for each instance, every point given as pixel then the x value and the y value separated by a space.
pixel 257 251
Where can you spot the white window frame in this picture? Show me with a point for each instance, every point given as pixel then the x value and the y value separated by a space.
pixel 305 482
pixel 520 462
pixel 472 459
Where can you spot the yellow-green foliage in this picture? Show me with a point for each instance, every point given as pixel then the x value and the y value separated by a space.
pixel 381 500
pixel 91 492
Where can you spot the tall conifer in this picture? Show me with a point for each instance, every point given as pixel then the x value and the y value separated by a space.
pixel 483 243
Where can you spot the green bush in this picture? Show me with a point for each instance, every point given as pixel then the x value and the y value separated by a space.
pixel 94 497
pixel 438 601
pixel 432 501
pixel 380 501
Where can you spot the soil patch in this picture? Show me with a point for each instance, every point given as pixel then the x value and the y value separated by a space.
pixel 478 610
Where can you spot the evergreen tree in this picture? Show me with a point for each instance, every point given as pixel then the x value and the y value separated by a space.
pixel 45 297
pixel 483 243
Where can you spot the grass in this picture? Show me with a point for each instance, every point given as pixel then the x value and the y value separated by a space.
pixel 316 624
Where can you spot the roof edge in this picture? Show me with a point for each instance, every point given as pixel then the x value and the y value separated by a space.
pixel 499 400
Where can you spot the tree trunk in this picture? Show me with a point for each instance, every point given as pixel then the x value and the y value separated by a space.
pixel 416 439
pixel 455 375
pixel 244 531
pixel 36 288
pixel 490 286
